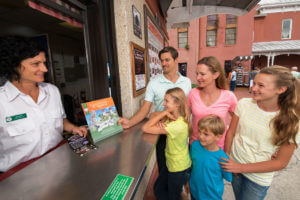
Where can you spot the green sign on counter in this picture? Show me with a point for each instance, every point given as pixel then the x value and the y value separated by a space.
pixel 118 188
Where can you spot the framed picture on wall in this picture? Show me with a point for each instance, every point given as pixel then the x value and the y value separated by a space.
pixel 137 26
pixel 138 69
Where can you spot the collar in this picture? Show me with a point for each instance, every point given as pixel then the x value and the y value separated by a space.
pixel 13 92
pixel 162 78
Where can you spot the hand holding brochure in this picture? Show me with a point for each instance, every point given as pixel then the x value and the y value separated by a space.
pixel 102 118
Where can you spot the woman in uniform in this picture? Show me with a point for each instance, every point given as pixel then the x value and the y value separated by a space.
pixel 32 117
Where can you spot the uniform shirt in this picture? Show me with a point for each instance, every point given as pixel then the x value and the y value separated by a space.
pixel 177 151
pixel 28 129
pixel 206 181
pixel 224 104
pixel 157 88
pixel 253 138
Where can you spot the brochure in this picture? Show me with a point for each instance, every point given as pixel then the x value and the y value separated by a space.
pixel 102 118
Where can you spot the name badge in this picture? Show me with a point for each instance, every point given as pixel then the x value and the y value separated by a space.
pixel 16 117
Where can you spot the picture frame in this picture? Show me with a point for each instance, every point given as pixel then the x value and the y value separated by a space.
pixel 137 26
pixel 138 69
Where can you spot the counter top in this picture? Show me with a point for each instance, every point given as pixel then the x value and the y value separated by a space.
pixel 62 174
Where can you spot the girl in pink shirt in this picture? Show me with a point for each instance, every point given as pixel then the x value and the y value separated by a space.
pixel 211 96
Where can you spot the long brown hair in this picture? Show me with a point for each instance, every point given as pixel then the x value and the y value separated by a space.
pixel 179 97
pixel 286 123
pixel 214 66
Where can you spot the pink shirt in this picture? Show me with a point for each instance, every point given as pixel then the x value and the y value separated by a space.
pixel 225 103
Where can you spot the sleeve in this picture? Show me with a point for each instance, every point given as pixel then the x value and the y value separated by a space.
pixel 233 102
pixel 226 175
pixel 60 104
pixel 1 117
pixel 189 99
pixel 176 128
pixel 238 108
pixel 149 96
pixel 193 150
pixel 189 86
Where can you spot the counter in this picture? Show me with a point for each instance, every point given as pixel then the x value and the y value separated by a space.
pixel 62 174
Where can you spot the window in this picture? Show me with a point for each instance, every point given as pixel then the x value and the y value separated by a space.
pixel 211 38
pixel 182 37
pixel 211 30
pixel 230 32
pixel 286 29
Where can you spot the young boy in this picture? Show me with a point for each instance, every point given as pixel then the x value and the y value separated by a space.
pixel 206 181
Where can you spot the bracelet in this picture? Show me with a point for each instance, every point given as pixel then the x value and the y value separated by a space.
pixel 72 128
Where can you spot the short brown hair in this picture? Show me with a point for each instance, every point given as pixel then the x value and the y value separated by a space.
pixel 171 50
pixel 212 123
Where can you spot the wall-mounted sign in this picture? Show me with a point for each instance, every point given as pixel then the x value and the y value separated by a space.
pixel 138 69
pixel 154 43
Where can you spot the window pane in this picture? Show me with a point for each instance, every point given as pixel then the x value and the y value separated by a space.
pixel 212 20
pixel 182 39
pixel 230 36
pixel 182 34
pixel 286 29
pixel 211 37
pixel 231 19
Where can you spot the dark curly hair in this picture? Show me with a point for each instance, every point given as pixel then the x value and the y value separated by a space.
pixel 13 50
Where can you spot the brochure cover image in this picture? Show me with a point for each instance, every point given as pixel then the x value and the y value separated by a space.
pixel 102 118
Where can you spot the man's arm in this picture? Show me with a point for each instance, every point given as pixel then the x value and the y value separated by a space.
pixel 137 117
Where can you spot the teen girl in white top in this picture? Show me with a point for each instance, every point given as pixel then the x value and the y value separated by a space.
pixel 261 126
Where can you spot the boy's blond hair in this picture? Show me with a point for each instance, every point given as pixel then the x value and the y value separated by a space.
pixel 212 123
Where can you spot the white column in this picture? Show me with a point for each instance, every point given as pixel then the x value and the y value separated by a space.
pixel 273 57
pixel 268 61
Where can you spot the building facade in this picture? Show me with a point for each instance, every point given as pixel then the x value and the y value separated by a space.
pixel 227 37
pixel 277 33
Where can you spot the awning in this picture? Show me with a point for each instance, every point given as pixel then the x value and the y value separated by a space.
pixel 278 47
pixel 179 11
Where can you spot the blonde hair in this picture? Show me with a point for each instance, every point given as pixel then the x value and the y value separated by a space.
pixel 286 123
pixel 179 97
pixel 212 123
pixel 214 66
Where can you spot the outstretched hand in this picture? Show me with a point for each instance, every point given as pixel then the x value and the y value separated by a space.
pixel 124 122
pixel 80 130
pixel 230 165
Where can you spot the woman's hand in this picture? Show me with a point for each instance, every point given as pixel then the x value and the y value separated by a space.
pixel 230 165
pixel 80 130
